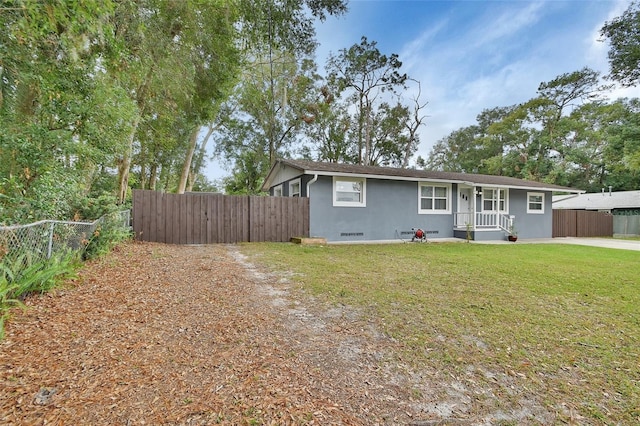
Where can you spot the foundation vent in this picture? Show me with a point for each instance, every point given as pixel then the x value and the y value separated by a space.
pixel 352 234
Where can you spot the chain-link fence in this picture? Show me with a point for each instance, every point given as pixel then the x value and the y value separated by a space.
pixel 40 241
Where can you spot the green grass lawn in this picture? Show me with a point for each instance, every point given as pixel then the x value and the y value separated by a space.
pixel 562 321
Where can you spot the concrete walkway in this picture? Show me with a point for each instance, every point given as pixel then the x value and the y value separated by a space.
pixel 593 242
pixel 602 242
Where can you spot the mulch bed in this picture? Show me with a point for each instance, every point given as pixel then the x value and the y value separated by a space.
pixel 193 335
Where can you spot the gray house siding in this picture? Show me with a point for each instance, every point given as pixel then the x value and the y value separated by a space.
pixel 391 212
pixel 304 179
pixel 531 225
pixel 391 209
pixel 527 225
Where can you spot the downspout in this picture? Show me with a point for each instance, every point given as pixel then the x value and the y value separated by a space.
pixel 311 182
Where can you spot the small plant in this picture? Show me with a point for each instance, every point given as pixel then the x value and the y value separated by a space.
pixel 7 301
pixel 468 237
pixel 105 238
pixel 513 233
pixel 23 276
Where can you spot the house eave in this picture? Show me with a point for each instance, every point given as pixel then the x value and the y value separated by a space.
pixel 373 176
pixel 399 177
pixel 425 179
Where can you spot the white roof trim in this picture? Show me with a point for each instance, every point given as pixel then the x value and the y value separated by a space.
pixel 383 177
pixel 417 179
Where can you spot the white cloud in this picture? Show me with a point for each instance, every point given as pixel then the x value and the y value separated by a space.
pixel 472 55
pixel 509 22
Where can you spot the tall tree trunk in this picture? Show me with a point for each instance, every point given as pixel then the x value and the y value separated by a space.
pixel 360 130
pixel 186 166
pixel 124 164
pixel 196 165
pixel 153 176
pixel 367 134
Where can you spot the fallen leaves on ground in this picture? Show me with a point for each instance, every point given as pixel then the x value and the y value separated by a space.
pixel 191 335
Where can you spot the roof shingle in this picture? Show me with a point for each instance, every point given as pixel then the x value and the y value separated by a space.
pixel 382 172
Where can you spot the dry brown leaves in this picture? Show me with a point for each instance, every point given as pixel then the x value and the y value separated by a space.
pixel 159 334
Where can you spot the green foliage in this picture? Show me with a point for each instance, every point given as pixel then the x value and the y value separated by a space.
pixel 251 168
pixel 565 136
pixel 360 74
pixel 285 26
pixel 623 33
pixel 106 236
pixel 96 206
pixel 23 276
pixel 86 87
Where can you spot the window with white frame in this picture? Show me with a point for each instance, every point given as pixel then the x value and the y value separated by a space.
pixel 294 188
pixel 434 198
pixel 349 191
pixel 535 202
pixel 277 191
pixel 495 199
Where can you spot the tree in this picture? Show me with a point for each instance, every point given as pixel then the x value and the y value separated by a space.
pixel 365 73
pixel 328 132
pixel 271 103
pixel 623 33
pixel 412 126
pixel 566 135
pixel 61 120
pixel 470 149
pixel 178 60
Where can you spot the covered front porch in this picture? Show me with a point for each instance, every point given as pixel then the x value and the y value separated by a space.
pixel 478 215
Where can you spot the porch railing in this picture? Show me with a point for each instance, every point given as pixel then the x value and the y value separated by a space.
pixel 483 220
pixel 461 220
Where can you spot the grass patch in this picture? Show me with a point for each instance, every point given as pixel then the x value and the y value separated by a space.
pixel 629 237
pixel 560 321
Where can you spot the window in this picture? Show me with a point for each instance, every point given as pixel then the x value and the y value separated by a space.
pixel 349 192
pixel 277 191
pixel 294 188
pixel 494 199
pixel 433 198
pixel 535 202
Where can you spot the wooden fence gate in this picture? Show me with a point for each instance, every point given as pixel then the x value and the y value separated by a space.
pixel 207 218
pixel 582 223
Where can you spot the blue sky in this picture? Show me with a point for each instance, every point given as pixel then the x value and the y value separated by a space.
pixel 472 55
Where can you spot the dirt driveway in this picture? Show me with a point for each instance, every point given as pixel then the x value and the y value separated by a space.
pixel 158 334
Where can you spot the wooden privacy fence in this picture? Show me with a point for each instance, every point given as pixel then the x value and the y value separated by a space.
pixel 582 223
pixel 206 218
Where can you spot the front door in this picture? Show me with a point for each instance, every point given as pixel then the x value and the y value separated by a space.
pixel 465 200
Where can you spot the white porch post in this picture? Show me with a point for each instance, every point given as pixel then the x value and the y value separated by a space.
pixel 476 192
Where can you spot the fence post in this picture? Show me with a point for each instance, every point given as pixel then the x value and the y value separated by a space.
pixel 50 248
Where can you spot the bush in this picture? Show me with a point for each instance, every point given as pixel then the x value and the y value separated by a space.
pixel 106 237
pixel 23 276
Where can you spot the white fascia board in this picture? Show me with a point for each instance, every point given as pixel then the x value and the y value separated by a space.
pixel 529 188
pixel 417 179
pixel 382 177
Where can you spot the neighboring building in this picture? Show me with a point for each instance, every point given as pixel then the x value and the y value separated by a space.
pixel 623 205
pixel 616 203
pixel 365 203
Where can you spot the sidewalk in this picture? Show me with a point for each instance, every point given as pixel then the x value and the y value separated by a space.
pixel 602 242
pixel 593 242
